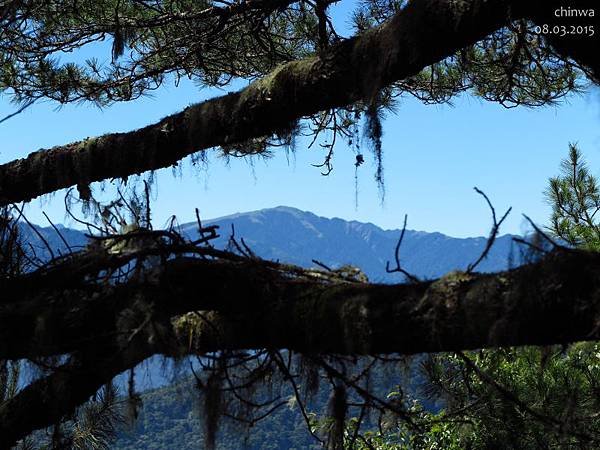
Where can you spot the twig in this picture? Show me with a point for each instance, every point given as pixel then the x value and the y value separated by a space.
pixel 62 238
pixel 42 238
pixel 542 234
pixel 255 420
pixel 365 394
pixel 324 266
pixel 540 249
pixel 18 111
pixel 139 328
pixel 198 220
pixel 248 249
pixel 88 225
pixel 233 242
pixel 207 234
pixel 279 361
pixel 530 244
pixel 493 232
pixel 398 267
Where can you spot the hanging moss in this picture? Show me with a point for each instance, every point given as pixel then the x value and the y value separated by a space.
pixel 338 408
pixel 374 132
pixel 253 146
pixel 288 134
pixel 213 403
pixel 310 374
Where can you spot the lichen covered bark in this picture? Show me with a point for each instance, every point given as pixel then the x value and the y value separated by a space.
pixel 355 69
pixel 553 301
pixel 195 306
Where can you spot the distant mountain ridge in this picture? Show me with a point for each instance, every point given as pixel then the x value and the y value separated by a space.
pixel 293 236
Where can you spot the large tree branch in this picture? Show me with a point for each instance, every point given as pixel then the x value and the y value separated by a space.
pixel 47 401
pixel 554 301
pixel 423 33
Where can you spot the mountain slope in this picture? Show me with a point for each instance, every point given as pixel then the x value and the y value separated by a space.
pixel 294 236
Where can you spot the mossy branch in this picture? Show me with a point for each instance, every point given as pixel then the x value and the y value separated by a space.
pixel 354 69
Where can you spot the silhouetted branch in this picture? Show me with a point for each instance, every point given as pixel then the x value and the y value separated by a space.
pixel 322 265
pixel 290 378
pixel 36 231
pixel 493 232
pixel 398 267
pixel 60 235
pixel 274 306
pixel 540 249
pixel 396 51
pixel 541 233
pixel 242 249
pixel 19 110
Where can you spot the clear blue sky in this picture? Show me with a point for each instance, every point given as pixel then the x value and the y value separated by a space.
pixel 433 156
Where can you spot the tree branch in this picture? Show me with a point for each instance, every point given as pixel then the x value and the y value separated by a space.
pixel 554 301
pixel 549 302
pixel 421 34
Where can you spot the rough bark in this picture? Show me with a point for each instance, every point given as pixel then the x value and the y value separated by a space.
pixel 423 33
pixel 554 301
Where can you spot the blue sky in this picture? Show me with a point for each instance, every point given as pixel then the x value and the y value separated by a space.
pixel 433 156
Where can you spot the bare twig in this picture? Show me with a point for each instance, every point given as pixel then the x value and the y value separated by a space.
pixel 288 376
pixel 36 231
pixel 322 265
pixel 248 249
pixel 87 224
pixel 493 232
pixel 398 267
pixel 60 235
pixel 18 111
pixel 245 251
pixel 539 231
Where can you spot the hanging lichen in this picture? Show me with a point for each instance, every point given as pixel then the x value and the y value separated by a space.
pixel 213 405
pixel 374 132
pixel 310 375
pixel 354 144
pixel 286 136
pixel 252 146
pixel 338 408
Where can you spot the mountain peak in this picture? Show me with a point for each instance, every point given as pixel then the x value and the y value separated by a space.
pixel 294 236
pixel 290 235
